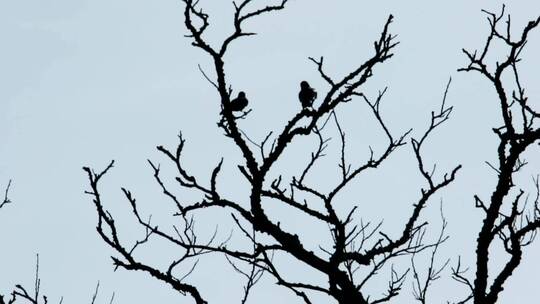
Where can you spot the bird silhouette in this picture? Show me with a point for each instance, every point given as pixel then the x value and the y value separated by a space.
pixel 239 103
pixel 307 94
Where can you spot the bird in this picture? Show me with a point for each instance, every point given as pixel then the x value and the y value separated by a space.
pixel 307 94
pixel 239 103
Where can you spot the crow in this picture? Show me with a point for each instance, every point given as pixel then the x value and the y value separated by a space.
pixel 307 94
pixel 239 103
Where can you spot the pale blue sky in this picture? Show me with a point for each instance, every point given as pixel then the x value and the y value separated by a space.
pixel 83 82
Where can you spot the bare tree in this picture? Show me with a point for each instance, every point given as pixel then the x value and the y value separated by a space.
pixel 20 293
pixel 508 218
pixel 355 244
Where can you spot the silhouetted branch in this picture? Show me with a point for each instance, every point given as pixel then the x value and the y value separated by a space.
pixel 459 275
pixel 6 199
pixel 516 229
pixel 433 273
pixel 105 221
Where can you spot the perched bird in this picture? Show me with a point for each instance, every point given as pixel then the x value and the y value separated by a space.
pixel 239 103
pixel 307 94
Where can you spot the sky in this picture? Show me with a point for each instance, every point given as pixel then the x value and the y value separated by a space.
pixel 84 82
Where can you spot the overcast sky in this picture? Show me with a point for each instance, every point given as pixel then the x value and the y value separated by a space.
pixel 83 82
